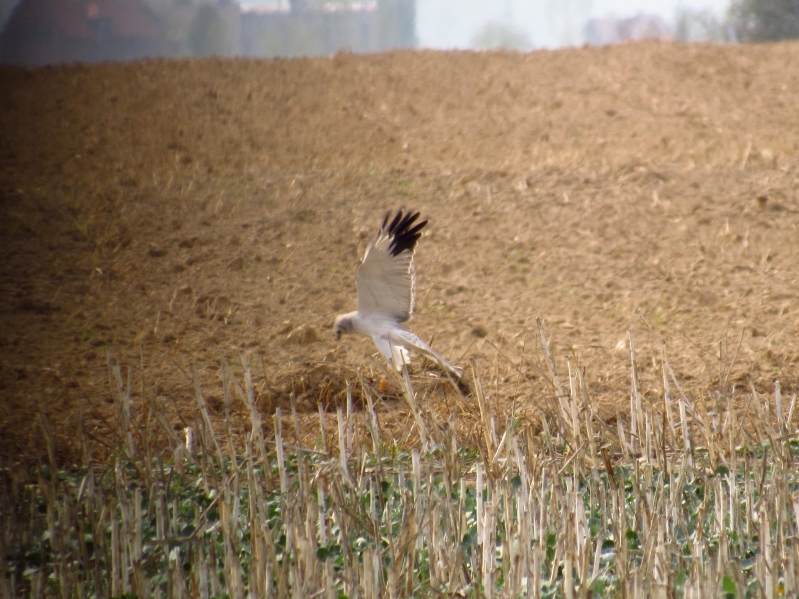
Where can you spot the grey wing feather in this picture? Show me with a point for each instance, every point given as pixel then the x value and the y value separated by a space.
pixel 386 279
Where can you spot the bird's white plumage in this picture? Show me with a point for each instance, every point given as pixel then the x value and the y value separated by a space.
pixel 386 281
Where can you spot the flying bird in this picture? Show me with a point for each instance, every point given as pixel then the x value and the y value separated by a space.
pixel 386 282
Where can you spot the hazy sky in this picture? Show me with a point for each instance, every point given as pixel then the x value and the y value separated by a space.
pixel 547 23
pixel 665 8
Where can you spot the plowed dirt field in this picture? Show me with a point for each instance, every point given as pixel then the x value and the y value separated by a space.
pixel 166 215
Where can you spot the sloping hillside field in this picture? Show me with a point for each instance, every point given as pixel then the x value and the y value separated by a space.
pixel 175 213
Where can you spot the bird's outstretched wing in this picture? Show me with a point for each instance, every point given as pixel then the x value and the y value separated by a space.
pixel 385 277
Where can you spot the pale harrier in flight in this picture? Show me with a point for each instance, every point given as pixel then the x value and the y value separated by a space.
pixel 386 283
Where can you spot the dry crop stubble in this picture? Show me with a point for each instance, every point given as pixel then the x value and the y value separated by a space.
pixel 683 502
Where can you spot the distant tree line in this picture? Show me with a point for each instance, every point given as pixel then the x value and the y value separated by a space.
pixel 765 20
pixel 56 31
pixel 746 21
pixel 307 28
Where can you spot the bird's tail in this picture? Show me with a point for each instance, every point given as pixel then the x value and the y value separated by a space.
pixel 400 356
pixel 405 338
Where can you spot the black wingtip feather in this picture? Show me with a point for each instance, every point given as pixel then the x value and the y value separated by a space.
pixel 402 231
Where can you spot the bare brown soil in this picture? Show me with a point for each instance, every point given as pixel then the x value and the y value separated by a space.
pixel 181 212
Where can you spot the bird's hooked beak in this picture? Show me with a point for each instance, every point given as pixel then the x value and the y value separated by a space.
pixel 343 325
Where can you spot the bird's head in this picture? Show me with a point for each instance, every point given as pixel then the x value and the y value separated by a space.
pixel 343 326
